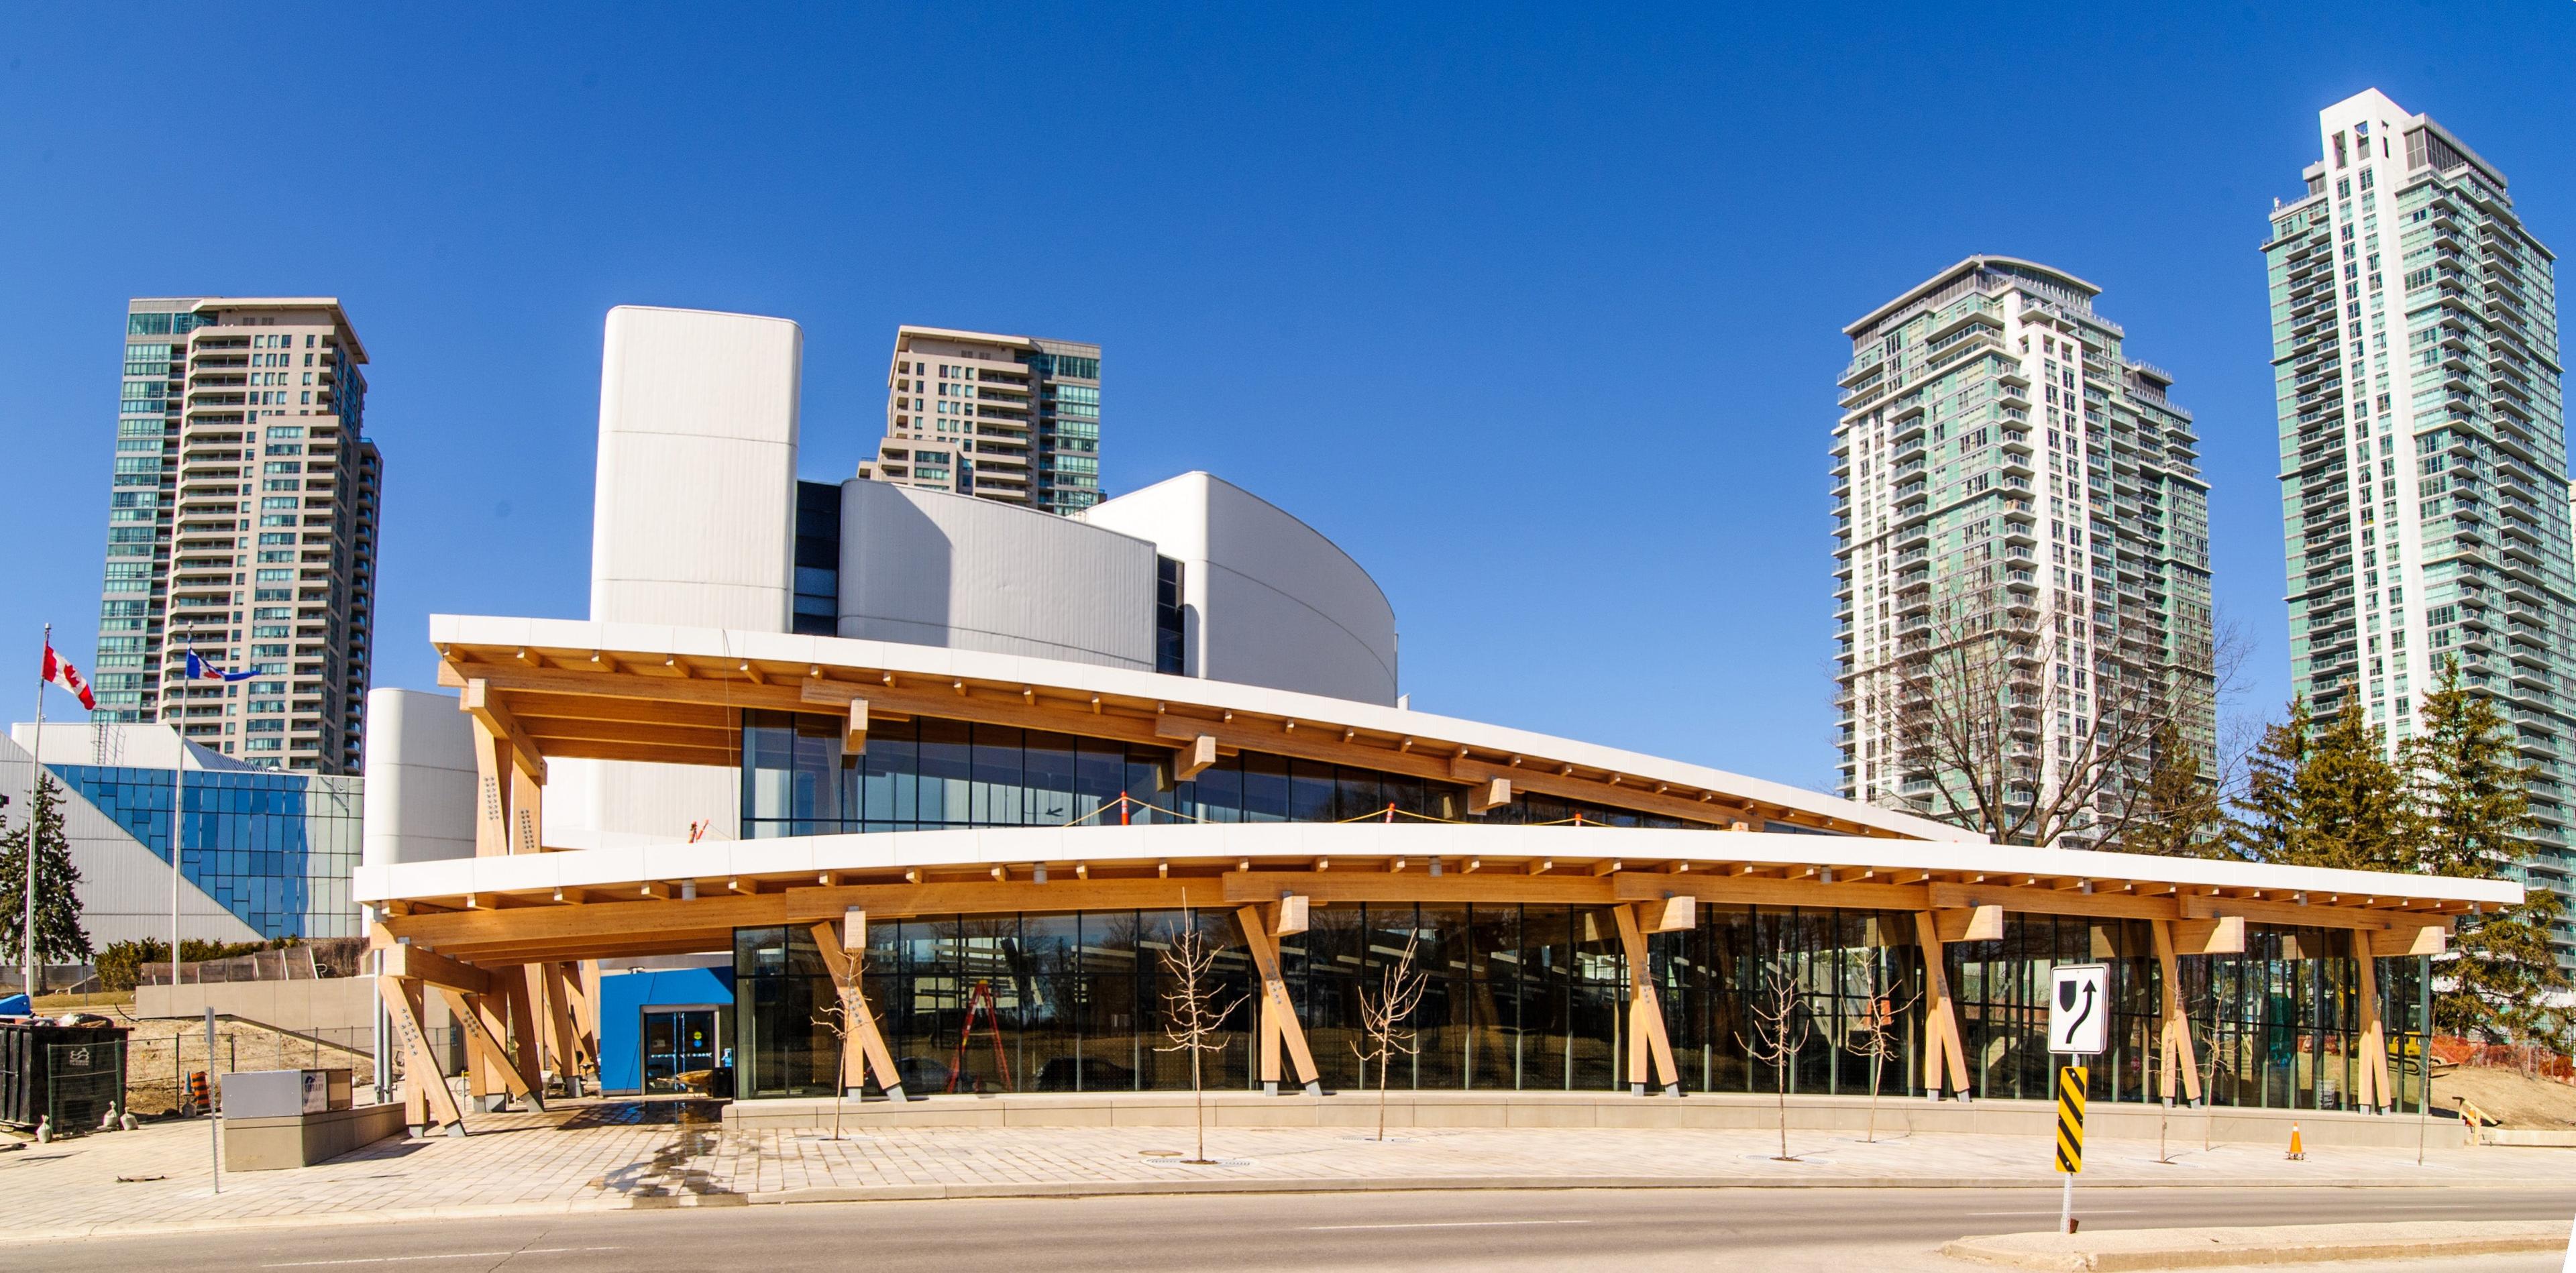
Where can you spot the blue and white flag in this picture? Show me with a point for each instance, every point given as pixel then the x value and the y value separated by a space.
pixel 201 670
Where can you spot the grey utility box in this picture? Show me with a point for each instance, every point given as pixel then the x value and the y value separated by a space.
pixel 285 1093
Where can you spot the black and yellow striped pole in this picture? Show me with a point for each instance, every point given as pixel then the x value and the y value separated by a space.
pixel 2070 1138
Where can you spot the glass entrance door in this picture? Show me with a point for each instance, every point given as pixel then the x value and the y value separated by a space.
pixel 678 1042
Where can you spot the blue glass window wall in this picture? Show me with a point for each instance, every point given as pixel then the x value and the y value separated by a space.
pixel 275 849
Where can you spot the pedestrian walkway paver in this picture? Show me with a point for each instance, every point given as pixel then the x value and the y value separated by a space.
pixel 595 1157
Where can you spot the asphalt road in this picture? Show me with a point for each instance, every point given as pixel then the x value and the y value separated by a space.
pixel 1772 1229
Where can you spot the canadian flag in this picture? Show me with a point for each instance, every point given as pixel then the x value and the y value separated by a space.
pixel 60 672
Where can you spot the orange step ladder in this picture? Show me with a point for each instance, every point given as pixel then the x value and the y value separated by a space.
pixel 980 1000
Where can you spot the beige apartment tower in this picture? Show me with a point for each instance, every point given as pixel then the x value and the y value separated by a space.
pixel 242 529
pixel 1009 418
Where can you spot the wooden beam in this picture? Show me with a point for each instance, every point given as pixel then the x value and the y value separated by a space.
pixel 1943 1054
pixel 1018 705
pixel 1279 1026
pixel 2425 939
pixel 438 970
pixel 2222 936
pixel 1293 915
pixel 1488 794
pixel 1193 757
pixel 2049 901
pixel 2379 919
pixel 426 1096
pixel 1979 923
pixel 478 702
pixel 569 926
pixel 1749 890
pixel 1648 1043
pixel 1351 886
pixel 1670 915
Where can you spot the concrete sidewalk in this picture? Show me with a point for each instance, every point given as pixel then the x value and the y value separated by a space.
pixel 2209 1248
pixel 610 1155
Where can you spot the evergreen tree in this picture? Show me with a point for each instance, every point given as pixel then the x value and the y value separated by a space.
pixel 2180 815
pixel 2267 824
pixel 60 938
pixel 2356 808
pixel 2476 820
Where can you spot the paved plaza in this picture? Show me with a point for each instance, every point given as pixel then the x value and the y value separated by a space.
pixel 614 1155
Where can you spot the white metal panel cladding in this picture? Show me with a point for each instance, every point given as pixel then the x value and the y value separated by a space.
pixel 930 568
pixel 1270 600
pixel 125 887
pixel 696 515
pixel 420 778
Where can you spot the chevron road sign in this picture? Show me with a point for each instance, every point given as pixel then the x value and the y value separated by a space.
pixel 2079 1009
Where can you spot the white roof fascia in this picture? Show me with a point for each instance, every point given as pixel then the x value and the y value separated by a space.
pixel 1300 842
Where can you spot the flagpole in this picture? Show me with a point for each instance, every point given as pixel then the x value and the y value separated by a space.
pixel 178 844
pixel 35 826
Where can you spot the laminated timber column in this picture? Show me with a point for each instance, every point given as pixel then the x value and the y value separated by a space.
pixel 482 1022
pixel 2173 1027
pixel 863 1047
pixel 427 1102
pixel 1943 1054
pixel 562 1035
pixel 2371 1039
pixel 1279 1025
pixel 1647 1039
pixel 509 777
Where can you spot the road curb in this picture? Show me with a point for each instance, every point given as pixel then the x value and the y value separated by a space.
pixel 1147 1188
pixel 2126 1249
pixel 1416 1184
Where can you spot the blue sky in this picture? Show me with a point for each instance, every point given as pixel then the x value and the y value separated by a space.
pixel 1535 311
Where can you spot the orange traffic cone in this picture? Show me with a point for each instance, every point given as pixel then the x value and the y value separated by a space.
pixel 2297 1149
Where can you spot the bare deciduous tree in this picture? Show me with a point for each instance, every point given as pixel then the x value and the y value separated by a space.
pixel 1781 1028
pixel 1193 1016
pixel 2214 1062
pixel 2035 726
pixel 1879 1037
pixel 1384 1021
pixel 841 1018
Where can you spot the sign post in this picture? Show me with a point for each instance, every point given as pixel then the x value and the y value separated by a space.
pixel 2079 1014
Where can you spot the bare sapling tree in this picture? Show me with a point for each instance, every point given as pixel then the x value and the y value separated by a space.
pixel 1385 1021
pixel 1194 1016
pixel 1781 1028
pixel 841 1017
pixel 2037 727
pixel 2214 1063
pixel 1879 1037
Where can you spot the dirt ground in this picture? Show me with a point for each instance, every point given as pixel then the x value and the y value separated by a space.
pixel 2506 1095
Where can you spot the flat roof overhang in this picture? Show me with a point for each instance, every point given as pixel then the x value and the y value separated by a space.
pixel 603 691
pixel 610 903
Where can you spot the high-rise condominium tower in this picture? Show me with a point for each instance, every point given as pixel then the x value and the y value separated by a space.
pixel 242 527
pixel 2423 444
pixel 2021 523
pixel 1002 417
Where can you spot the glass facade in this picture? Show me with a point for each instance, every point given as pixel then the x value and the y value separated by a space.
pixel 1535 998
pixel 929 774
pixel 275 849
pixel 818 559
